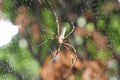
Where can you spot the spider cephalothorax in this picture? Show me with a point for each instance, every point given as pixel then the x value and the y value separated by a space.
pixel 60 38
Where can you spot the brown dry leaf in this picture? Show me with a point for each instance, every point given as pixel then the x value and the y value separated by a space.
pixel 89 15
pixel 58 69
pixel 94 71
pixel 22 10
pixel 100 40
pixel 35 32
pixel 91 69
pixel 22 19
pixel 82 31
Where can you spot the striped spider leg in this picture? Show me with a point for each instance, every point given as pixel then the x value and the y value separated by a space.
pixel 73 61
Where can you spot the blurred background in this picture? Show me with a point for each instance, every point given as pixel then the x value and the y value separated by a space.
pixel 26 45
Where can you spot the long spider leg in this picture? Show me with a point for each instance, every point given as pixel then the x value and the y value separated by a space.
pixel 57 22
pixel 66 45
pixel 48 31
pixel 70 53
pixel 54 13
pixel 56 17
pixel 71 47
pixel 73 28
pixel 55 55
pixel 43 42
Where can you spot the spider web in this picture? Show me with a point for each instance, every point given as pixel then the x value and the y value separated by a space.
pixel 96 39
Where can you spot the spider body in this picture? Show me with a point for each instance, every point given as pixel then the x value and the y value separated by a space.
pixel 61 38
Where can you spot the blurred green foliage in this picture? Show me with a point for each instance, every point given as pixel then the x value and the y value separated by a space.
pixel 22 61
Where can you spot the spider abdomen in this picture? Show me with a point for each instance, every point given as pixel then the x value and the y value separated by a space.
pixel 60 40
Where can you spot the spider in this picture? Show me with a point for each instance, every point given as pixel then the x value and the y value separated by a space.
pixel 62 40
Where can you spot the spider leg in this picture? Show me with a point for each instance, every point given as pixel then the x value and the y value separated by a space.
pixel 57 22
pixel 55 15
pixel 73 61
pixel 48 31
pixel 69 45
pixel 43 42
pixel 72 57
pixel 55 55
pixel 70 31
